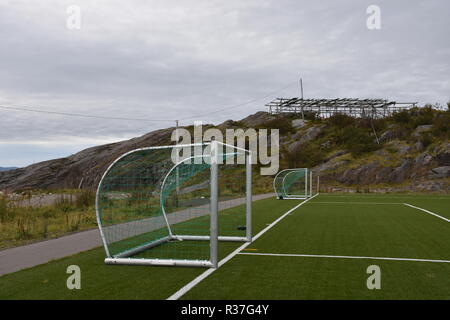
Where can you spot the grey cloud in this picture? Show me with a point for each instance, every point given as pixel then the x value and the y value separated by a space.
pixel 173 60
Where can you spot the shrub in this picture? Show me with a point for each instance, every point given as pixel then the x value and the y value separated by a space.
pixel 372 124
pixel 423 116
pixel 64 203
pixel 402 117
pixel 25 225
pixel 401 133
pixel 283 124
pixel 73 221
pixel 3 209
pixel 426 140
pixel 356 140
pixel 305 156
pixel 441 125
pixel 85 199
pixel 341 120
pixel 45 221
pixel 415 116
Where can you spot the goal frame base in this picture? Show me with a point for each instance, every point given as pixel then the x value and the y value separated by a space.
pixel 293 198
pixel 159 262
pixel 124 258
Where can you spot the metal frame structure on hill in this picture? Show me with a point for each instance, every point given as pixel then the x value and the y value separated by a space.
pixel 324 108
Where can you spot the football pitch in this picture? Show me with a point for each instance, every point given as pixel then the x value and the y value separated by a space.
pixel 316 249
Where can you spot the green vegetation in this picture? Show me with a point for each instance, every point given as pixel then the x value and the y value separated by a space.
pixel 21 223
pixel 409 120
pixel 359 136
pixel 305 156
pixel 284 124
pixel 355 139
pixel 441 125
pixel 3 209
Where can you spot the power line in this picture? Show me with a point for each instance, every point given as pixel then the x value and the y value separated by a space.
pixel 141 120
pixel 243 103
pixel 83 115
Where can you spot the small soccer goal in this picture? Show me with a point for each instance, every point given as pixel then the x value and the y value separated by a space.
pixel 297 183
pixel 170 205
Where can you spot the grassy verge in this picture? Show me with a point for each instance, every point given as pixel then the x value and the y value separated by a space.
pixel 22 224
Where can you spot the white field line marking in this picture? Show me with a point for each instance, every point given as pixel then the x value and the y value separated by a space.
pixel 205 274
pixel 362 195
pixel 427 211
pixel 339 257
pixel 354 202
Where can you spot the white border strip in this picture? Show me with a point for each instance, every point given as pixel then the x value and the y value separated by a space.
pixel 427 211
pixel 205 274
pixel 384 195
pixel 356 202
pixel 340 257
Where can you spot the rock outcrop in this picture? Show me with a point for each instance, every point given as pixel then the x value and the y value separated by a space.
pixel 398 161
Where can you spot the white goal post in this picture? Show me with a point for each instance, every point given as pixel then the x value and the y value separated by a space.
pixel 296 183
pixel 154 208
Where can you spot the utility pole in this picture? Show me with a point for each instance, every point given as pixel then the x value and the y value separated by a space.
pixel 301 90
pixel 301 87
pixel 177 159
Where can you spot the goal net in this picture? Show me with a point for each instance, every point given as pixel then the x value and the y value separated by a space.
pixel 298 183
pixel 170 205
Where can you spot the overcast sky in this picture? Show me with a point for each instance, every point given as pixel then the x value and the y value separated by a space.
pixel 182 59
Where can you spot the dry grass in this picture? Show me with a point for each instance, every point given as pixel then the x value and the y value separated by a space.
pixel 24 224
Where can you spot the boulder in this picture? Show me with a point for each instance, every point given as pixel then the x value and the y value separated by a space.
pixel 442 171
pixel 428 186
pixel 443 155
pixel 423 159
pixel 364 174
pixel 311 134
pixel 294 145
pixel 296 136
pixel 383 174
pixel 421 129
pixel 387 136
pixel 336 154
pixel 331 165
pixel 299 123
pixel 400 173
pixel 404 149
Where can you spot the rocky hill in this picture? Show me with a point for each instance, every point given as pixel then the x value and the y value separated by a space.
pixel 407 152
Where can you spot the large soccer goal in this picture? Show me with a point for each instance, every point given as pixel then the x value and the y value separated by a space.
pixel 297 183
pixel 171 205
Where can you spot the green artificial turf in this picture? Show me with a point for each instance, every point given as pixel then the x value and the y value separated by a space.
pixel 350 225
pixel 356 225
pixel 291 278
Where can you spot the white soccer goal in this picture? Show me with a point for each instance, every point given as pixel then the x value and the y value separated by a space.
pixel 297 183
pixel 170 205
